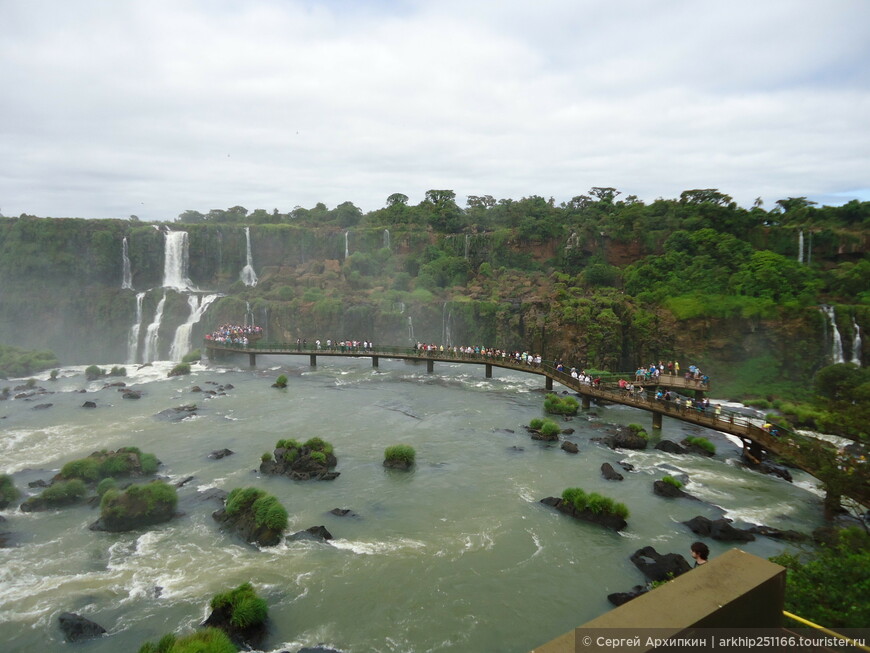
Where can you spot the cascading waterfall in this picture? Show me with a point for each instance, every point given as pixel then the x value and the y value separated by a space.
pixel 133 338
pixel 248 276
pixel 126 272
pixel 175 261
pixel 856 343
pixel 466 247
pixel 152 333
pixel 800 246
pixel 387 238
pixel 446 330
pixel 411 330
pixel 249 314
pixel 181 343
pixel 346 248
pixel 837 348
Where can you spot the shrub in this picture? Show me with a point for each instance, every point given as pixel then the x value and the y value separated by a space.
pixel 287 444
pixel 64 491
pixel 636 428
pixel 87 469
pixel 400 452
pixel 317 444
pixel 92 372
pixel 143 498
pixel 115 466
pixel 291 455
pixel 703 443
pixel 180 369
pixel 30 383
pixel 207 640
pixel 575 496
pixel 246 608
pixel 54 374
pixel 550 428
pixel 536 424
pixel 281 381
pixel 193 357
pixel 670 480
pixel 557 405
pixel 118 371
pixel 319 457
pixel 148 462
pixel 105 485
pixel 266 457
pixel 8 491
pixel 594 502
pixel 241 499
pixel 269 512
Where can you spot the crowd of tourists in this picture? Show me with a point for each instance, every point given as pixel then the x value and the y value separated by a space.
pixel 653 371
pixel 235 334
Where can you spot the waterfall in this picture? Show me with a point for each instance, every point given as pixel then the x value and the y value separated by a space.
pixel 346 248
pixel 249 314
pixel 126 273
pixel 837 349
pixel 181 343
pixel 133 338
pixel 175 261
pixel 387 238
pixel 411 330
pixel 856 343
pixel 153 333
pixel 466 247
pixel 446 331
pixel 801 246
pixel 248 276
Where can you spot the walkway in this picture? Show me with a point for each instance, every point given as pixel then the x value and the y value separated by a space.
pixel 756 440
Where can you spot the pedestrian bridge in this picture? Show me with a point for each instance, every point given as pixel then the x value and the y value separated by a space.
pixel 757 441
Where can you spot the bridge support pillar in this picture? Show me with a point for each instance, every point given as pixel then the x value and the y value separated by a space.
pixel 549 383
pixel 753 452
pixel 586 403
pixel 313 360
pixel 252 359
pixel 430 366
pixel 374 361
pixel 657 421
pixel 699 394
pixel 488 371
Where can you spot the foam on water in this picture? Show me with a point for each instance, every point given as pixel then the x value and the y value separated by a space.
pixel 377 548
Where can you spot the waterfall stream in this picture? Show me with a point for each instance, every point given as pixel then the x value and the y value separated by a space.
pixel 152 333
pixel 133 338
pixel 800 257
pixel 248 276
pixel 126 272
pixel 346 247
pixel 856 343
pixel 175 262
pixel 837 347
pixel 387 238
pixel 181 344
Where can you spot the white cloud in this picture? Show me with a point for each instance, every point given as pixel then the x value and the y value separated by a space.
pixel 157 107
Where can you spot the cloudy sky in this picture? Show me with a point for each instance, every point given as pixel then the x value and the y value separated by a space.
pixel 152 107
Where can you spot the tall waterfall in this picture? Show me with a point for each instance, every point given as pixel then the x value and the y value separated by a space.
pixel 856 343
pixel 411 330
pixel 175 261
pixel 152 333
pixel 801 246
pixel 126 272
pixel 133 338
pixel 181 343
pixel 446 325
pixel 387 238
pixel 248 276
pixel 466 247
pixel 346 248
pixel 249 314
pixel 837 348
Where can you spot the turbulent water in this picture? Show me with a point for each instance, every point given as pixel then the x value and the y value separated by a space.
pixel 457 555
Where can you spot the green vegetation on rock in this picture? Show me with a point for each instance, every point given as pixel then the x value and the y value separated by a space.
pixel 670 480
pixel 702 443
pixel 245 607
pixel 138 501
pixel 593 502
pixel 400 453
pixel 180 369
pixel 556 405
pixel 281 381
pixel 126 461
pixel 207 640
pixel 266 509
pixel 8 491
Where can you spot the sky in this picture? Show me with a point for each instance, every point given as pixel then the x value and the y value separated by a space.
pixel 154 107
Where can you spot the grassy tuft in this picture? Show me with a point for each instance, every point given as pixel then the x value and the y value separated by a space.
pixel 400 452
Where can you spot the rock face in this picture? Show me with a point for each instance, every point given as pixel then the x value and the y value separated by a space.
pixel 607 520
pixel 570 447
pixel 625 439
pixel 609 473
pixel 694 448
pixel 618 598
pixel 300 466
pixel 670 491
pixel 89 404
pixel 245 526
pixel 220 453
pixel 403 465
pixel 670 447
pixel 314 534
pixel 76 627
pixel 718 529
pixel 657 567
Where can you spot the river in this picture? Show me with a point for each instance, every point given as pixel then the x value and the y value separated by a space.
pixel 456 555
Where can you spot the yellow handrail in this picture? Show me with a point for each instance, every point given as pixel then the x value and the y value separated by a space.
pixel 827 631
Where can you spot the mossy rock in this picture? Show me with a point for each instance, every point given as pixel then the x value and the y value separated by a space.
pixel 241 614
pixel 139 506
pixel 256 516
pixel 8 491
pixel 58 495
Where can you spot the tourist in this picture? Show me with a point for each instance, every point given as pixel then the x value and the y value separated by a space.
pixel 700 552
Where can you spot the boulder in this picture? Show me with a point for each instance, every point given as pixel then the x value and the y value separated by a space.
pixel 302 467
pixel 570 447
pixel 89 404
pixel 775 533
pixel 694 448
pixel 220 453
pixel 657 567
pixel 343 512
pixel 247 638
pixel 718 529
pixel 76 627
pixel 137 507
pixel 178 413
pixel 132 394
pixel 670 491
pixel 619 598
pixel 609 473
pixel 313 534
pixel 607 520
pixel 626 466
pixel 42 406
pixel 537 435
pixel 774 469
pixel 403 465
pixel 670 447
